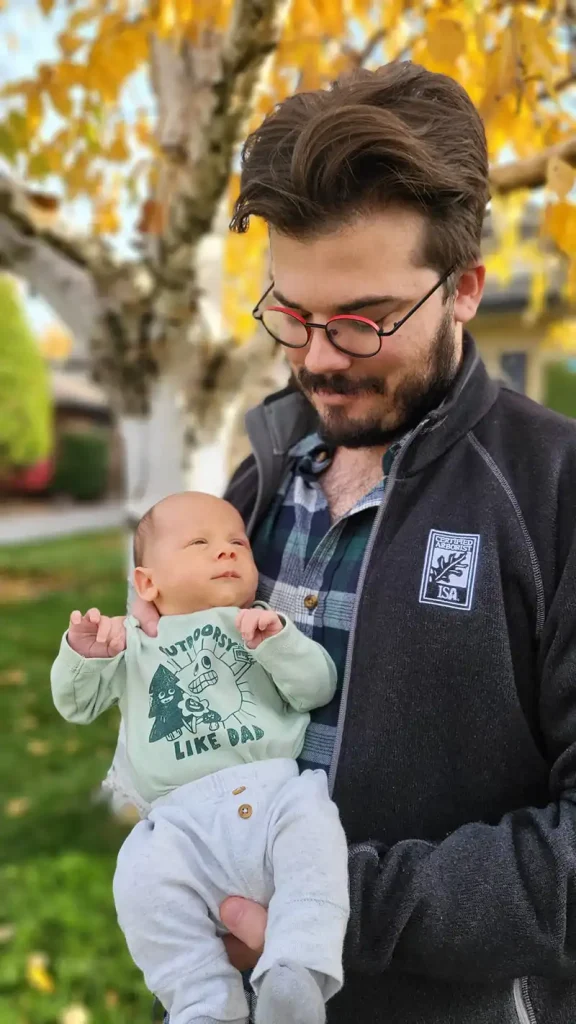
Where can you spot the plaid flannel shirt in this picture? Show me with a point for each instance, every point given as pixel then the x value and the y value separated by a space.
pixel 309 569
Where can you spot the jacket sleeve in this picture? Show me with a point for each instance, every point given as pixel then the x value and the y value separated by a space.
pixel 487 902
pixel 82 688
pixel 302 671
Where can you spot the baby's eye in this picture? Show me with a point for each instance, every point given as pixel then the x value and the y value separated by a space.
pixel 199 540
pixel 242 543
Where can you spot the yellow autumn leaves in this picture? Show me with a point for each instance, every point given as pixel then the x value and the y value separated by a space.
pixel 511 56
pixel 39 978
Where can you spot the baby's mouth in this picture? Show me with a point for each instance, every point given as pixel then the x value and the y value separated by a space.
pixel 231 574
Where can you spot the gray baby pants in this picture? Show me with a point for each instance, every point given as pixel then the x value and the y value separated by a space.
pixel 261 831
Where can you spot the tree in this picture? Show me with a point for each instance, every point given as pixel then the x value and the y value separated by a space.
pixel 214 68
pixel 25 399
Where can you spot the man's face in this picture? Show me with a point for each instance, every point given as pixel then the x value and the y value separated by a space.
pixel 370 268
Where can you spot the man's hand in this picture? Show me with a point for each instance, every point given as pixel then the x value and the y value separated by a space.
pixel 147 614
pixel 96 636
pixel 257 625
pixel 246 921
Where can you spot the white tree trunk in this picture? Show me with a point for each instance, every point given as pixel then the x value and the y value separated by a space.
pixel 154 449
pixel 210 463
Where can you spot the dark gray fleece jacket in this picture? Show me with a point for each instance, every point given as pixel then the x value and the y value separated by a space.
pixel 455 762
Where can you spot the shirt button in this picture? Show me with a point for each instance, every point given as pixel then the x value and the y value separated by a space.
pixel 245 811
pixel 321 457
pixel 311 602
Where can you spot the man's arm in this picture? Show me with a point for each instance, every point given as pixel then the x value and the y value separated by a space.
pixel 489 901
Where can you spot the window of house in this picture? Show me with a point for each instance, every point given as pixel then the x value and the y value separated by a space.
pixel 513 367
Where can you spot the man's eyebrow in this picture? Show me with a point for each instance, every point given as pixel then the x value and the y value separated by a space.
pixel 345 307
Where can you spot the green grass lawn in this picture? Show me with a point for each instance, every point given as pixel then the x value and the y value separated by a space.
pixel 57 845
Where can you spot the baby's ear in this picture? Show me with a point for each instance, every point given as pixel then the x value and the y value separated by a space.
pixel 144 584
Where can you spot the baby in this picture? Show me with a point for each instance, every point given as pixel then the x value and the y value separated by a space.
pixel 215 709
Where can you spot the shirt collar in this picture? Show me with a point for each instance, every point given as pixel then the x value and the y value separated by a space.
pixel 314 456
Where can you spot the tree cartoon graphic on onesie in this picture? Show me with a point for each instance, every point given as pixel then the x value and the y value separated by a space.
pixel 165 697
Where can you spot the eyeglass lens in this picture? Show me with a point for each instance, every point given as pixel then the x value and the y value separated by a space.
pixel 352 336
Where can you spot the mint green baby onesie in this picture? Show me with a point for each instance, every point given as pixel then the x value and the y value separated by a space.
pixel 194 699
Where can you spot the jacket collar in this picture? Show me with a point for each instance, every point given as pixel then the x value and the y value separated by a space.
pixel 286 417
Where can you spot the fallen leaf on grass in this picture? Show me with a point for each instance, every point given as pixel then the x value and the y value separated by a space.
pixel 13 677
pixel 127 815
pixel 7 932
pixel 38 748
pixel 111 999
pixel 23 588
pixel 16 590
pixel 17 808
pixel 76 1014
pixel 27 723
pixel 37 973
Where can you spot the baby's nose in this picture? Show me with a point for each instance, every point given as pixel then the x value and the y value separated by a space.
pixel 227 552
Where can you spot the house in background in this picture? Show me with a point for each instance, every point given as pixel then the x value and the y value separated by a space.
pixel 81 407
pixel 511 346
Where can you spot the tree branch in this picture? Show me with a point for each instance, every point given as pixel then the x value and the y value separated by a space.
pixel 54 266
pixel 217 79
pixel 227 71
pixel 530 173
pixel 359 57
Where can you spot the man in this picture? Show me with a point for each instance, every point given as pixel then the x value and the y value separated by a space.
pixel 419 521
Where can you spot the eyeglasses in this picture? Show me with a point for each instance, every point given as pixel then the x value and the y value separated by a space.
pixel 354 335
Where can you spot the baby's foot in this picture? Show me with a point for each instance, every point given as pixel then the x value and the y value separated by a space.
pixel 290 994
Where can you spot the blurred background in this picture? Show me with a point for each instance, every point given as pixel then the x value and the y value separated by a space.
pixel 128 355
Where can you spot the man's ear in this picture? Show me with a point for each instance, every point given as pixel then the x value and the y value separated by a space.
pixel 469 293
pixel 144 584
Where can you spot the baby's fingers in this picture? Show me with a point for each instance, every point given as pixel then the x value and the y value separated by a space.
pixel 117 639
pixel 266 619
pixel 93 616
pixel 249 625
pixel 104 628
pixel 76 618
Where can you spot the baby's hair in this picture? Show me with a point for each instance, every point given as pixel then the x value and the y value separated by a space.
pixel 141 533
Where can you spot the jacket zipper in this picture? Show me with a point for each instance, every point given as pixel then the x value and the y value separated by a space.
pixel 392 477
pixel 522 1002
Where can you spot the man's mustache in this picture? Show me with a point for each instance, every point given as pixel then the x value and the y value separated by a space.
pixel 338 384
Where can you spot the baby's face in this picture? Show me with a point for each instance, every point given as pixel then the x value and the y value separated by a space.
pixel 199 556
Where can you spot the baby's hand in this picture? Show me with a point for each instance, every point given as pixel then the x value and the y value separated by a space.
pixel 96 636
pixel 257 624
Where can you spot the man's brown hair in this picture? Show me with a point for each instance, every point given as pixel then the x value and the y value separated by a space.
pixel 400 135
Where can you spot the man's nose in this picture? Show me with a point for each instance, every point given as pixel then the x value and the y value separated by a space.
pixel 323 357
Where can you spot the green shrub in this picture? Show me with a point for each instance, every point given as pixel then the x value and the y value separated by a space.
pixel 82 466
pixel 561 389
pixel 25 397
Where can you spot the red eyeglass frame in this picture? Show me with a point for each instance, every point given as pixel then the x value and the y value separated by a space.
pixel 258 314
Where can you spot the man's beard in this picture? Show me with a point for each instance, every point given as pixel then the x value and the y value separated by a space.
pixel 413 398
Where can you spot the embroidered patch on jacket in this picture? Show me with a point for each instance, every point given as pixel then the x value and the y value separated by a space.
pixel 450 569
